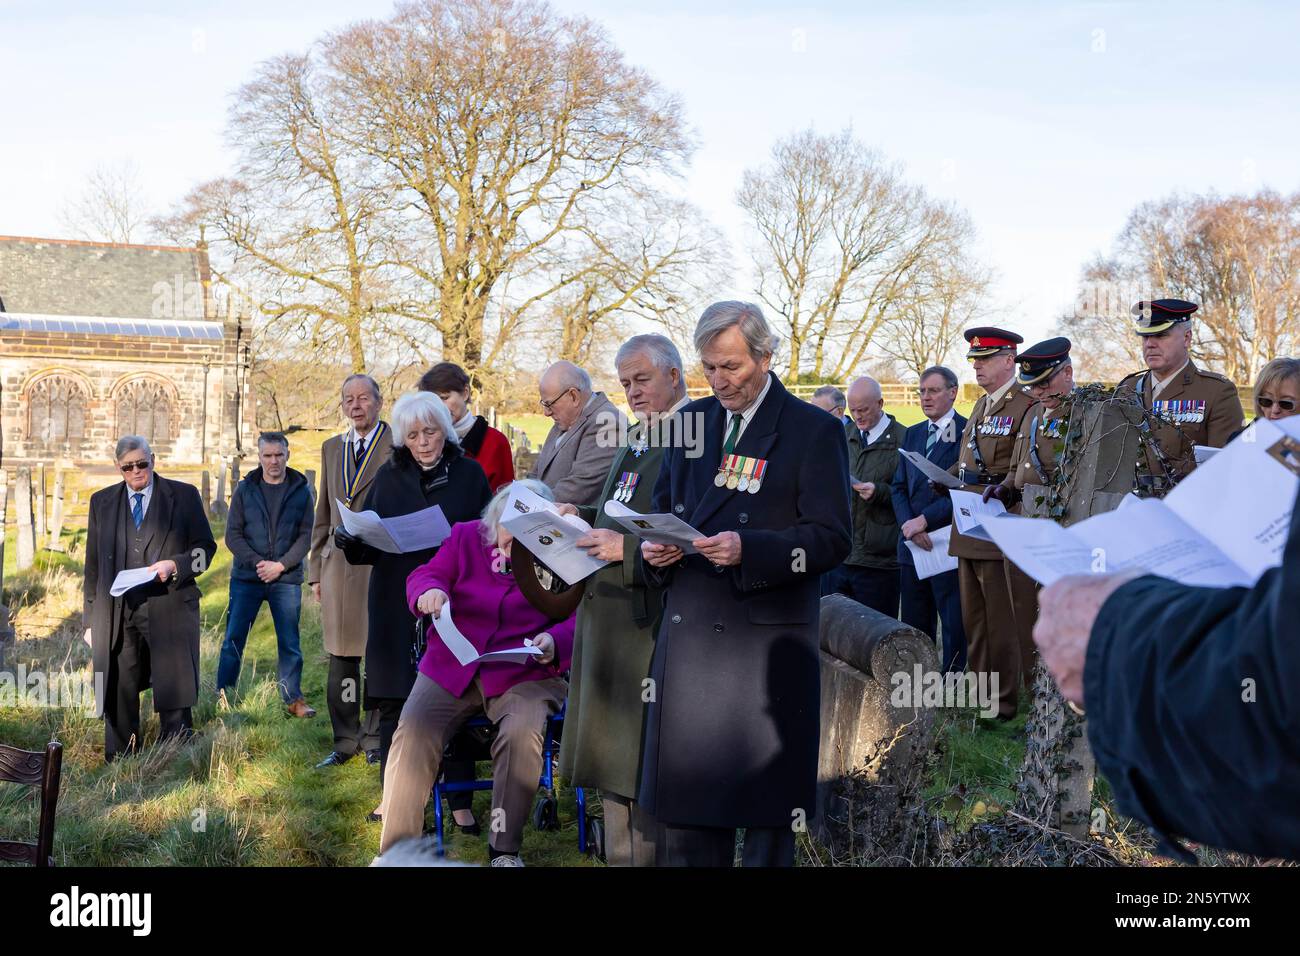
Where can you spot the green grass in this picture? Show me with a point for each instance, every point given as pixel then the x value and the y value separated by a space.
pixel 244 793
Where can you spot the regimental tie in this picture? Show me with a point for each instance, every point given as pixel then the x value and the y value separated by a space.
pixel 137 509
pixel 730 444
pixel 931 438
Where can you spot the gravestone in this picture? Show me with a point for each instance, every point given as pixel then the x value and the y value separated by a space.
pixel 205 491
pixel 55 542
pixel 1097 468
pixel 38 492
pixel 23 514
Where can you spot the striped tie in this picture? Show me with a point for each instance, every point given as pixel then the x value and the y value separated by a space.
pixel 137 509
pixel 931 438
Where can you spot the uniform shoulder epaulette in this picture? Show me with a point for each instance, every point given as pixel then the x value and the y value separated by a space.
pixel 1222 378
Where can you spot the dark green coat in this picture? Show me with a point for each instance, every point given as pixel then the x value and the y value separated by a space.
pixel 612 647
pixel 875 528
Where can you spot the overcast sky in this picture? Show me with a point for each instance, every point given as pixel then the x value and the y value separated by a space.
pixel 1046 122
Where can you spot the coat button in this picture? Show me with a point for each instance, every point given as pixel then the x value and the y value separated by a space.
pixel 677 619
pixel 744 518
pixel 678 509
pixel 717 627
pixel 588 595
pixel 718 569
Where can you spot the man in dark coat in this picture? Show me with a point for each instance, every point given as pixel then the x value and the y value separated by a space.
pixel 268 532
pixel 617 619
pixel 732 729
pixel 148 636
pixel 1190 696
pixel 920 511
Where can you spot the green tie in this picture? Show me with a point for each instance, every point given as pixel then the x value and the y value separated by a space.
pixel 730 444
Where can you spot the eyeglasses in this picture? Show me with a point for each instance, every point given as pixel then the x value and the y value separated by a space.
pixel 1286 404
pixel 547 405
pixel 131 466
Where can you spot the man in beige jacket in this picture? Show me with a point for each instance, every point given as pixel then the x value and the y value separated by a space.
pixel 582 443
pixel 348 464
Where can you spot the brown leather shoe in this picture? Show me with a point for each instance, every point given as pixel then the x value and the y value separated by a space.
pixel 300 708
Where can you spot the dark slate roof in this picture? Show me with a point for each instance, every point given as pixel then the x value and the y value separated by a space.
pixel 70 277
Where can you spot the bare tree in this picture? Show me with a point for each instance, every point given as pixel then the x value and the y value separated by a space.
pixel 499 123
pixel 842 244
pixel 110 206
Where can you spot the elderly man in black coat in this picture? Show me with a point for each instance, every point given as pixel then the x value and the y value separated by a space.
pixel 1191 700
pixel 732 728
pixel 148 636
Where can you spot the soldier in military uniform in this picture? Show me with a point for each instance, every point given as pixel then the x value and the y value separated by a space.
pixel 1193 407
pixel 1046 373
pixel 988 441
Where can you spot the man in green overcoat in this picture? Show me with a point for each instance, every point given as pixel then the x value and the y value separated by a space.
pixel 609 685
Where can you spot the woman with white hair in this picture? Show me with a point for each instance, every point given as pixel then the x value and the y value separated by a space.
pixel 470 579
pixel 427 468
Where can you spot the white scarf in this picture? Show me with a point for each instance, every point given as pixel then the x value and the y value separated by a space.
pixel 465 424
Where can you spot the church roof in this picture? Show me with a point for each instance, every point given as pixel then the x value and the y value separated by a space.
pixel 99 325
pixel 114 280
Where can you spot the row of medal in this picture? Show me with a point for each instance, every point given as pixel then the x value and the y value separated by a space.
pixel 626 486
pixel 739 473
pixel 1051 427
pixel 1180 412
pixel 997 425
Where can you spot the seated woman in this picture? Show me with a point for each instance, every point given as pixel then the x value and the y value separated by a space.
pixel 472 572
pixel 427 468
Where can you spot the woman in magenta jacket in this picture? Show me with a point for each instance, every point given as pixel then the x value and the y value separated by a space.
pixel 471 571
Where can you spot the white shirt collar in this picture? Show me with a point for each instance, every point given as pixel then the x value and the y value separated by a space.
pixel 879 428
pixel 943 419
pixel 747 415
pixel 147 491
pixel 352 435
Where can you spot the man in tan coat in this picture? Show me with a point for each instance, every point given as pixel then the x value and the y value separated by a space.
pixel 988 608
pixel 582 444
pixel 348 466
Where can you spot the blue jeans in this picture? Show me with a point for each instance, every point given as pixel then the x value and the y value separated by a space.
pixel 246 599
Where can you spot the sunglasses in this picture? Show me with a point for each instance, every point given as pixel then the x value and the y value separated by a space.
pixel 1286 404
pixel 131 466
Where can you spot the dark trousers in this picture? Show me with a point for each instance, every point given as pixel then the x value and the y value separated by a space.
pixel 246 599
pixel 343 695
pixel 716 846
pixel 877 588
pixel 939 596
pixel 389 710
pixel 122 694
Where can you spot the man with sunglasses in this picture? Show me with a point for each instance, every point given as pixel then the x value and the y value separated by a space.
pixel 1189 406
pixel 581 445
pixel 149 635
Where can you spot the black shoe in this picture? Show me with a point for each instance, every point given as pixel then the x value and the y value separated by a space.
pixel 372 756
pixel 374 817
pixel 333 760
pixel 472 829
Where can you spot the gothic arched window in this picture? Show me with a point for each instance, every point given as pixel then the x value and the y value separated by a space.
pixel 144 407
pixel 56 411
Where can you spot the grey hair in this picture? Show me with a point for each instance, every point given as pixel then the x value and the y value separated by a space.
pixel 836 396
pixel 374 386
pixel 948 375
pixel 273 438
pixel 492 513
pixel 131 443
pixel 661 350
pixel 720 316
pixel 421 408
pixel 571 376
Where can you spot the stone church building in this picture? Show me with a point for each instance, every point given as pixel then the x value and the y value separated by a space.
pixel 99 340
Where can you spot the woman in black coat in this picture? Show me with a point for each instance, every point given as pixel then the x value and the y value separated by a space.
pixel 427 468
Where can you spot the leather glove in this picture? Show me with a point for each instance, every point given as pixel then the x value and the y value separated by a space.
pixel 1004 493
pixel 343 541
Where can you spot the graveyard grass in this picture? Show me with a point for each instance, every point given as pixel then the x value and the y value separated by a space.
pixel 245 792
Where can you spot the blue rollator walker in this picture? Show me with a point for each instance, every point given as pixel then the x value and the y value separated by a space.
pixel 473 742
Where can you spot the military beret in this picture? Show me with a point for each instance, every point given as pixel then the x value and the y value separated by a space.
pixel 1158 315
pixel 987 340
pixel 1038 362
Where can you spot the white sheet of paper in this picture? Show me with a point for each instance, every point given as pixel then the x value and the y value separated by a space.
pixel 970 512
pixel 1197 535
pixel 937 560
pixel 126 580
pixel 553 539
pixel 523 501
pixel 465 652
pixel 402 534
pixel 1204 453
pixel 657 529
pixel 930 469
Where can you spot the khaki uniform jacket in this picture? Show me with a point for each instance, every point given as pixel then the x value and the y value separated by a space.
pixel 1040 436
pixel 1211 415
pixel 994 431
pixel 343 586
